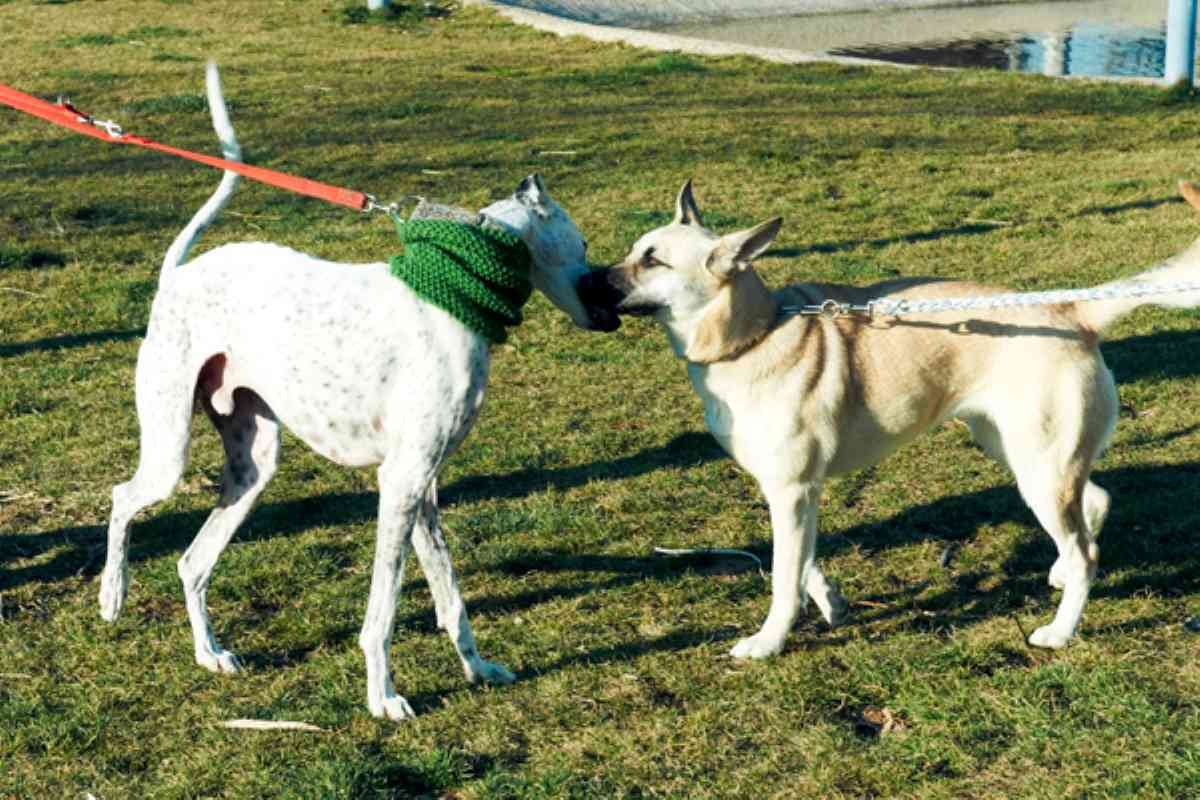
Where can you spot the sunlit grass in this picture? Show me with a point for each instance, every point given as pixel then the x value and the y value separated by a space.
pixel 591 448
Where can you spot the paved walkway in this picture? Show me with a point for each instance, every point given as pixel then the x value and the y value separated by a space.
pixel 652 13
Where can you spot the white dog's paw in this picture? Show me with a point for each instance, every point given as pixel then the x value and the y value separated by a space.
pixel 220 661
pixel 113 589
pixel 393 707
pixel 757 646
pixel 1047 636
pixel 1057 578
pixel 488 672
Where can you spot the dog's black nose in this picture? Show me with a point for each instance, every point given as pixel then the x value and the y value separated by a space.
pixel 600 300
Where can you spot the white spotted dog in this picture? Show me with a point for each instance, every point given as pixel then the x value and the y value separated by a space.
pixel 795 399
pixel 353 362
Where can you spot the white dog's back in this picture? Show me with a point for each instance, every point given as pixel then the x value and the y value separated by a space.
pixel 283 322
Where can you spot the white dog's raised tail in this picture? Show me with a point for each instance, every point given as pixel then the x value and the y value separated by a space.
pixel 177 252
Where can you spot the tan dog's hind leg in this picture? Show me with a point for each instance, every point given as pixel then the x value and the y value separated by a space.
pixel 1095 509
pixel 1058 503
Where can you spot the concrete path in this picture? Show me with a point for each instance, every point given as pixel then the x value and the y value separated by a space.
pixel 658 13
pixel 664 41
pixel 691 39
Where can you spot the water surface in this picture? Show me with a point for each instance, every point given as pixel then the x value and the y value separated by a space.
pixel 1125 38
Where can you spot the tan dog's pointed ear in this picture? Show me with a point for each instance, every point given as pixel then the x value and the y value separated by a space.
pixel 686 212
pixel 1191 193
pixel 737 250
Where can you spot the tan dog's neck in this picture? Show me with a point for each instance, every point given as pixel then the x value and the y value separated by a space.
pixel 737 318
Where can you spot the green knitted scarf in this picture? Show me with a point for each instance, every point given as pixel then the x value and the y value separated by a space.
pixel 480 276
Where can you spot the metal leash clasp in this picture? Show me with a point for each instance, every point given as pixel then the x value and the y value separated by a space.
pixel 391 209
pixel 109 126
pixel 832 309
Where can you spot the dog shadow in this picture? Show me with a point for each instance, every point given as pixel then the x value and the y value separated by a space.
pixel 80 549
pixel 685 450
pixel 1173 354
pixel 52 343
pixel 1146 546
pixel 953 231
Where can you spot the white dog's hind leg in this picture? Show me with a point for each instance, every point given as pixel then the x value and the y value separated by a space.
pixel 434 556
pixel 164 406
pixel 251 439
pixel 794 539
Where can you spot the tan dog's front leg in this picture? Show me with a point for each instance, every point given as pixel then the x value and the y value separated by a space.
pixel 794 539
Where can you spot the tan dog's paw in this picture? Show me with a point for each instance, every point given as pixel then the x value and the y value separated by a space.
pixel 757 646
pixel 1047 636
pixel 838 611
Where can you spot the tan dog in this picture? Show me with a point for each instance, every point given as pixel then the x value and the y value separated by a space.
pixel 796 399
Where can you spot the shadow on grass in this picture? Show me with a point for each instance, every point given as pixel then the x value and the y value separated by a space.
pixel 969 229
pixel 1147 546
pixel 685 450
pixel 844 245
pixel 160 534
pixel 52 343
pixel 1175 354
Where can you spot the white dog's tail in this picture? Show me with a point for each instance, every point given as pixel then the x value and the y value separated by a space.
pixel 1177 275
pixel 179 248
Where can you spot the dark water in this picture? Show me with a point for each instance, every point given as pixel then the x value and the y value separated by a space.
pixel 1125 38
pixel 1091 49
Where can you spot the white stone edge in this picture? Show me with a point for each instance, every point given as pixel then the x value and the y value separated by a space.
pixel 667 42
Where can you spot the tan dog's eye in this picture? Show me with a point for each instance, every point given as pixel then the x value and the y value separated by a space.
pixel 648 260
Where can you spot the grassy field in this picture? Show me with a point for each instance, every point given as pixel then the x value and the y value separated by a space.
pixel 591 449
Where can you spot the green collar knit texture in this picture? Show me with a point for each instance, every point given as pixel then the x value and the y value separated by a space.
pixel 478 275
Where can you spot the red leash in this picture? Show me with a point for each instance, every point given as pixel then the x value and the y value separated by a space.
pixel 65 115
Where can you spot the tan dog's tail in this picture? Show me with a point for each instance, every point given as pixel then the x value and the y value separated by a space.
pixel 177 252
pixel 1180 269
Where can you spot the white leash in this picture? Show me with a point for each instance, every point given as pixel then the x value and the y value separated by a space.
pixel 900 308
pixel 714 551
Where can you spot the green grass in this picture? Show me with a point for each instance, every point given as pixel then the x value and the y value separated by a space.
pixel 591 448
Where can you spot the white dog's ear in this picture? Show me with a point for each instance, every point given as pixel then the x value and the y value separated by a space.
pixel 531 191
pixel 686 212
pixel 736 250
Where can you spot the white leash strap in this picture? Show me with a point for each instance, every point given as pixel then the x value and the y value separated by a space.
pixel 900 308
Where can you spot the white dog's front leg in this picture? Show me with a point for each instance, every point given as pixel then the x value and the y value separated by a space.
pixel 399 503
pixel 794 534
pixel 434 556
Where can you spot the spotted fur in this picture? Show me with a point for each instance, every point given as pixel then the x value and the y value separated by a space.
pixel 345 356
